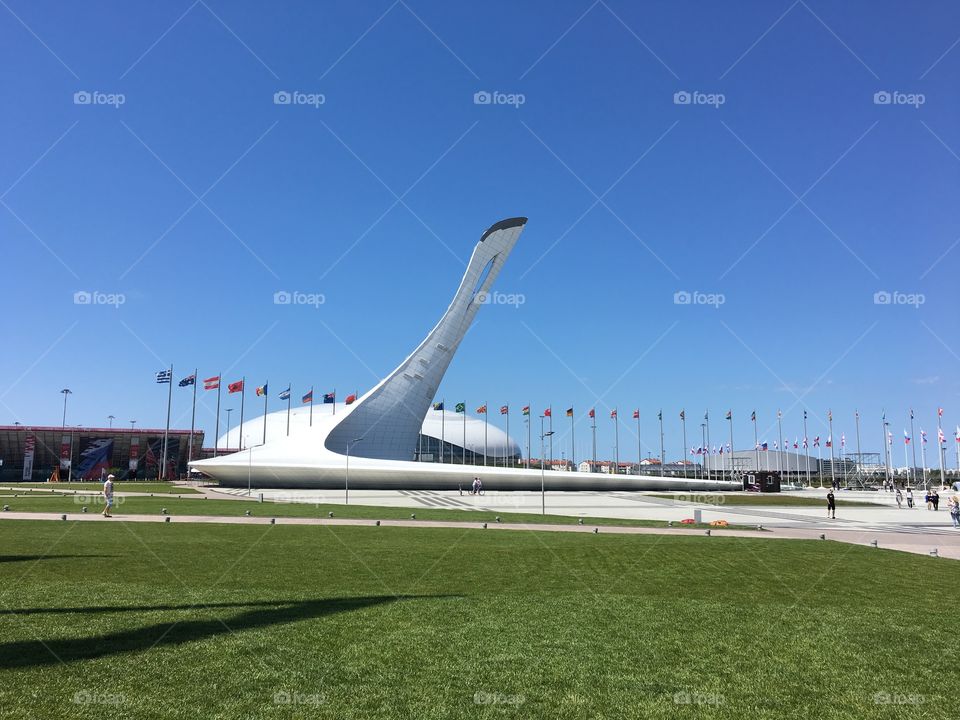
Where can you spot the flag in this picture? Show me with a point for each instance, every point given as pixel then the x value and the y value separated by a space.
pixel 461 408
pixel 353 398
pixel 482 410
pixel 504 409
pixel 548 412
pixel 795 444
pixel 779 414
pixel 592 413
pixel 211 383
pixel 328 398
pixel 613 414
pixel 189 380
pixel 753 416
pixel 911 413
pixel 923 436
pixel 438 406
pixel 816 441
pixel 829 414
pixel 856 414
pixel 163 376
pixel 729 415
pixel 957 435
pixel 706 414
pixel 525 410
pixel 939 412
pixel 763 446
pixel 308 398
pixel 262 390
pixel 636 414
pixel 829 441
pixel 683 414
pixel 660 415
pixel 569 412
pixel 906 438
pixel 843 440
pixel 890 438
pixel 940 438
pixel 775 446
pixel 804 414
pixel 285 394
pixel 235 387
pixel 805 442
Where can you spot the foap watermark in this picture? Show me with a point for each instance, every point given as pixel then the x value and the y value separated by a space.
pixel 686 297
pixel 885 698
pixel 695 97
pixel 96 97
pixel 885 297
pixel 482 697
pixel 485 97
pixel 285 297
pixel 95 297
pixel 295 97
pixel 98 697
pixel 896 97
pixel 500 298
pixel 293 697
pixel 87 499
pixel 685 697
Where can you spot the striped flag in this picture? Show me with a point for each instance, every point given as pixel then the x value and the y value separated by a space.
pixel 285 394
pixel 262 390
pixel 308 398
pixel 212 383
pixel 163 376
pixel 482 410
pixel 504 409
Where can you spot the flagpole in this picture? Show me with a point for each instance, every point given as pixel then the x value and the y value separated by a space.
pixel 266 394
pixel 886 462
pixel 706 417
pixel 662 456
pixel 166 432
pixel 311 405
pixel 856 416
pixel 551 437
pixel 639 444
pixel 806 446
pixel 443 423
pixel 906 461
pixel 780 435
pixel 833 472
pixel 193 418
pixel 334 401
pixel 243 393
pixel 923 454
pixel 730 453
pixel 508 438
pixel 940 439
pixel 573 445
pixel 593 426
pixel 528 439
pixel 616 441
pixel 486 412
pixel 289 396
pixel 216 432
pixel 913 467
pixel 464 462
pixel 683 422
pixel 756 440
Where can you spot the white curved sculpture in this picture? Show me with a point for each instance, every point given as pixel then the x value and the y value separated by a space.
pixel 375 438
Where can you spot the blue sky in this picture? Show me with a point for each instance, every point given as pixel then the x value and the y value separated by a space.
pixel 782 199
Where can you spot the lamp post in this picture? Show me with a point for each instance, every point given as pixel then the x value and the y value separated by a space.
pixel 111 419
pixel 543 494
pixel 132 423
pixel 66 392
pixel 346 479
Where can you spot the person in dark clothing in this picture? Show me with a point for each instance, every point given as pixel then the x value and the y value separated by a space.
pixel 831 505
pixel 935 499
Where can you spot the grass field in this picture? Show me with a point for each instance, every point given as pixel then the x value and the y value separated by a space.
pixel 137 505
pixel 206 621
pixel 760 499
pixel 145 487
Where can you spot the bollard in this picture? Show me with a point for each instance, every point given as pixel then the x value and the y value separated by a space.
pixel 261 497
pixel 6 508
pixel 707 533
pixel 64 517
pixel 669 523
pixel 484 526
pixel 163 511
pixel 378 523
pixel 873 543
pixel 933 553
pixel 273 521
pixel 498 518
pixel 759 527
pixel 167 519
pixel 822 536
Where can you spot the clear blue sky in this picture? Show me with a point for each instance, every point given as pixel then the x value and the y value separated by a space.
pixel 796 199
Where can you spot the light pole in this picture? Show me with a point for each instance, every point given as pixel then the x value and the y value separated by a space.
pixel 66 392
pixel 111 419
pixel 346 479
pixel 543 494
pixel 132 423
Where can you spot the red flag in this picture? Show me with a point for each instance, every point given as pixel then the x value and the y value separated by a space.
pixel 504 409
pixel 636 414
pixel 591 413
pixel 548 412
pixel 235 387
pixel 613 413
pixel 211 383
pixel 482 410
pixel 351 399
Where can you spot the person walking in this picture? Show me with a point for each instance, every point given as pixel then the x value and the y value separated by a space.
pixel 935 499
pixel 910 498
pixel 831 505
pixel 108 496
pixel 899 499
pixel 955 511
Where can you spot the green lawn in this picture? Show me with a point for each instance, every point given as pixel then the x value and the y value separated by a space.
pixel 765 499
pixel 216 621
pixel 146 487
pixel 46 502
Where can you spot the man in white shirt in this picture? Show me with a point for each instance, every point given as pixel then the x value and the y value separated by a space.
pixel 108 496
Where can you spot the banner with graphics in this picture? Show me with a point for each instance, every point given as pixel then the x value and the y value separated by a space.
pixel 95 457
pixel 134 452
pixel 155 456
pixel 65 452
pixel 29 447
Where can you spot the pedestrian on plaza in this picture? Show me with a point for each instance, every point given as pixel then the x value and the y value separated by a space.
pixel 899 499
pixel 955 511
pixel 831 505
pixel 928 500
pixel 910 498
pixel 935 499
pixel 108 496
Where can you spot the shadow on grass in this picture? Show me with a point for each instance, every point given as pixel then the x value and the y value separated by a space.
pixel 29 558
pixel 35 653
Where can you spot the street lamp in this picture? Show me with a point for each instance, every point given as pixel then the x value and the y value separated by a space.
pixel 132 423
pixel 543 493
pixel 111 418
pixel 66 392
pixel 346 480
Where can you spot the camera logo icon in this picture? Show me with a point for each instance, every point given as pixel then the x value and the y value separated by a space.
pixel 682 297
pixel 282 97
pixel 682 97
pixel 82 97
pixel 82 297
pixel 882 97
pixel 282 297
pixel 482 97
pixel 882 297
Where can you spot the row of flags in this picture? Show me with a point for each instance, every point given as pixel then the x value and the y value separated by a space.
pixel 213 383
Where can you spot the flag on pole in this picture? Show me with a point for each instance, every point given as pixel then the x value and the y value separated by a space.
pixel 262 390
pixel 939 412
pixel 906 438
pixel 753 416
pixel 504 409
pixel 911 413
pixel 570 413
pixel 235 387
pixel 163 376
pixel 805 442
pixel 460 408
pixel 816 441
pixel 729 415
pixel 438 405
pixel 636 414
pixel 940 438
pixel 613 414
pixel 843 440
pixel 775 446
pixel 188 380
pixel 308 398
pixel 763 446
pixel 660 415
pixel 592 413
pixel 525 410
pixel 829 441
pixel 779 414
pixel 797 444
pixel 212 383
pixel 804 414
pixel 923 436
pixel 328 398
pixel 829 414
pixel 957 434
pixel 350 399
pixel 548 412
pixel 285 394
pixel 482 410
pixel 683 414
